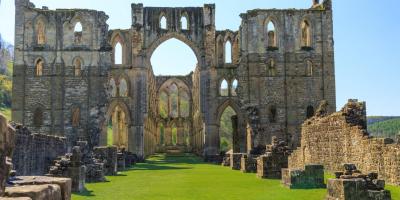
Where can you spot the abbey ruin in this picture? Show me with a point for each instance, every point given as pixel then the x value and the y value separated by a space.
pixel 68 80
pixel 87 103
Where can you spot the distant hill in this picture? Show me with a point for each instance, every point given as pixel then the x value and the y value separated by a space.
pixel 6 68
pixel 381 126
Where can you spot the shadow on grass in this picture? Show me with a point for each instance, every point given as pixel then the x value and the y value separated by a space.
pixel 85 193
pixel 158 167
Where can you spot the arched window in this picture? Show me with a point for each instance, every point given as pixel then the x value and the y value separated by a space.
pixel 41 32
pixel 309 68
pixel 234 88
pixel 39 67
pixel 272 114
pixel 78 33
pixel 163 22
pixel 305 34
pixel 271 34
pixel 184 23
pixel 163 105
pixel 223 91
pixel 271 68
pixel 113 87
pixel 228 52
pixel 77 67
pixel 76 115
pixel 310 112
pixel 123 88
pixel 118 54
pixel 184 103
pixel 174 135
pixel 38 117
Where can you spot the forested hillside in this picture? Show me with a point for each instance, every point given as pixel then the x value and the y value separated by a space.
pixel 6 68
pixel 384 126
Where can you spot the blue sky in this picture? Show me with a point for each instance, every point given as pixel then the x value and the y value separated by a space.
pixel 366 32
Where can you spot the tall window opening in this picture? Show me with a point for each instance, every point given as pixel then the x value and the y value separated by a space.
pixel 305 34
pixel 78 33
pixel 226 129
pixel 39 67
pixel 76 115
pixel 163 22
pixel 223 90
pixel 123 88
pixel 118 128
pixel 41 32
pixel 271 68
pixel 310 112
pixel 309 68
pixel 77 67
pixel 271 34
pixel 228 52
pixel 184 23
pixel 118 54
pixel 174 135
pixel 234 88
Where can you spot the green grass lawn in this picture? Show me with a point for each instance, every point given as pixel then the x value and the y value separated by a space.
pixel 6 112
pixel 187 177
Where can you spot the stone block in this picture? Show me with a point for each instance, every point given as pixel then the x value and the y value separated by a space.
pixel 109 157
pixel 65 184
pixel 35 192
pixel 248 164
pixel 311 177
pixel 235 159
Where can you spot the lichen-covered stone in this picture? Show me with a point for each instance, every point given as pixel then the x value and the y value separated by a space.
pixel 36 192
pixel 312 176
pixel 109 157
pixel 64 183
pixel 342 137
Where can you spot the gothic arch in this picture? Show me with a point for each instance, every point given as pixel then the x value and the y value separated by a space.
pixel 179 36
pixel 306 19
pixel 124 108
pixel 274 21
pixel 115 39
pixel 40 28
pixel 221 108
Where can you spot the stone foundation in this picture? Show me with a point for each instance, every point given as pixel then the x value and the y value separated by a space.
pixel 311 177
pixel 275 158
pixel 248 163
pixel 35 192
pixel 235 159
pixel 34 153
pixel 342 137
pixel 109 157
pixel 63 183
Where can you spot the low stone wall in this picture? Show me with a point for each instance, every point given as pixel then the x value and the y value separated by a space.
pixel 342 138
pixel 311 177
pixel 108 155
pixel 34 153
pixel 248 163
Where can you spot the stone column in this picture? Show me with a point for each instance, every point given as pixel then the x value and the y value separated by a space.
pixel 235 135
pixel 167 136
pixel 180 135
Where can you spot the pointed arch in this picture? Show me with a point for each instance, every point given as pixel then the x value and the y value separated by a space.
pixel 228 51
pixel 77 63
pixel 39 65
pixel 234 87
pixel 305 33
pixel 78 32
pixel 118 53
pixel 184 21
pixel 40 32
pixel 223 89
pixel 78 27
pixel 113 87
pixel 118 44
pixel 163 22
pixel 271 34
pixel 123 87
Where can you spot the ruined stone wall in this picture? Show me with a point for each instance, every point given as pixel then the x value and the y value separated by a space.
pixel 34 153
pixel 342 138
pixel 287 89
pixel 59 100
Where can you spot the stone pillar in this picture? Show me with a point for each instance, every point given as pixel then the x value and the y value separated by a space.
pixel 77 171
pixel 167 136
pixel 180 135
pixel 235 134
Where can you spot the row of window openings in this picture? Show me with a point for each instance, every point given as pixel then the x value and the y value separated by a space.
pixel 184 23
pixel 272 115
pixel 39 65
pixel 272 36
pixel 228 89
pixel 41 33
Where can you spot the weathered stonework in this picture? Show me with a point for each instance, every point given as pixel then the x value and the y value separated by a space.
pixel 235 159
pixel 6 150
pixel 64 184
pixel 68 83
pixel 342 137
pixel 108 155
pixel 312 176
pixel 270 164
pixel 248 163
pixel 352 184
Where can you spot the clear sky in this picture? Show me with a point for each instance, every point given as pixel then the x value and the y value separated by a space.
pixel 366 33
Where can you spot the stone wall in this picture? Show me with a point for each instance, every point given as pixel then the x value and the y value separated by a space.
pixel 342 138
pixel 6 151
pixel 34 153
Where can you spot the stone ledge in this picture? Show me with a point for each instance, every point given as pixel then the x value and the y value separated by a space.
pixel 35 192
pixel 63 183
